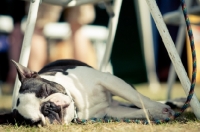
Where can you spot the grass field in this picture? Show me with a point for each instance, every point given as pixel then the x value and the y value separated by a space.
pixel 187 122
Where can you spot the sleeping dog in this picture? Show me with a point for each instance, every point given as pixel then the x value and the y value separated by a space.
pixel 68 89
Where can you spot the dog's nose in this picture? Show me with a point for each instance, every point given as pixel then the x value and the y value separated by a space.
pixel 44 108
pixel 46 105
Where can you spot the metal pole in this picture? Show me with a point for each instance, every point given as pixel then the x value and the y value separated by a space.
pixel 146 32
pixel 112 31
pixel 172 74
pixel 170 46
pixel 26 45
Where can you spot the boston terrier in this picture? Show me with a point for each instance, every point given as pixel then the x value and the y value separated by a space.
pixel 68 89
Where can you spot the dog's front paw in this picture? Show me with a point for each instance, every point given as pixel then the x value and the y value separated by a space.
pixel 161 112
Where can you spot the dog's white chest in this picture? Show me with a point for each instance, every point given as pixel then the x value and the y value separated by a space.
pixel 82 83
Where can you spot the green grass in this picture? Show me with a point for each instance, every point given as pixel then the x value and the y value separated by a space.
pixel 187 122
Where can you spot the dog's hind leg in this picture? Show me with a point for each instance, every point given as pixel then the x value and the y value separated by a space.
pixel 134 113
pixel 123 110
pixel 126 112
pixel 118 87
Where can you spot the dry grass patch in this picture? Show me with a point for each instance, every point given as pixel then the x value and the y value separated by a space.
pixel 193 126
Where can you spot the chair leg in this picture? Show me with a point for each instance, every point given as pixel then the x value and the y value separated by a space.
pixel 170 46
pixel 147 39
pixel 112 30
pixel 26 45
pixel 179 47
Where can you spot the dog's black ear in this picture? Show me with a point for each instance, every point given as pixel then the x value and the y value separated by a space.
pixel 24 72
pixel 7 118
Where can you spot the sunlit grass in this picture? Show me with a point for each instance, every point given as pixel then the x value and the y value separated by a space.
pixel 193 126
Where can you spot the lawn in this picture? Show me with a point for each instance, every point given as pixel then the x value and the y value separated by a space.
pixel 187 122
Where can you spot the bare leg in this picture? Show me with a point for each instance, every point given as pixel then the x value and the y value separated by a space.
pixel 83 49
pixel 38 55
pixel 15 39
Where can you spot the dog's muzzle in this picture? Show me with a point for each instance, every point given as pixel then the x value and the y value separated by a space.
pixel 53 112
pixel 55 107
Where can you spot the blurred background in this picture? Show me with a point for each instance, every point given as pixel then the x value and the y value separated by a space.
pixel 81 32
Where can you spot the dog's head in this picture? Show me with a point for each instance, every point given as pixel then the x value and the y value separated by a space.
pixel 39 101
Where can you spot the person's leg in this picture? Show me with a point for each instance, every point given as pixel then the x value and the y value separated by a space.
pixel 77 17
pixel 38 56
pixel 15 40
pixel 83 49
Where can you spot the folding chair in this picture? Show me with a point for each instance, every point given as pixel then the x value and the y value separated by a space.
pixel 155 12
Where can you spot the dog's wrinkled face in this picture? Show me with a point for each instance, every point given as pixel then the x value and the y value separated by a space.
pixel 40 100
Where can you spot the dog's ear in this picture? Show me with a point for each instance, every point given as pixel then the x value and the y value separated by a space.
pixel 24 72
pixel 7 118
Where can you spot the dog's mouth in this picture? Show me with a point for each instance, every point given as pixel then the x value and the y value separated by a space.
pixel 54 113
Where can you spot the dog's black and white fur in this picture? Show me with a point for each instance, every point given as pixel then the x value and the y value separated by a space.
pixel 66 89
